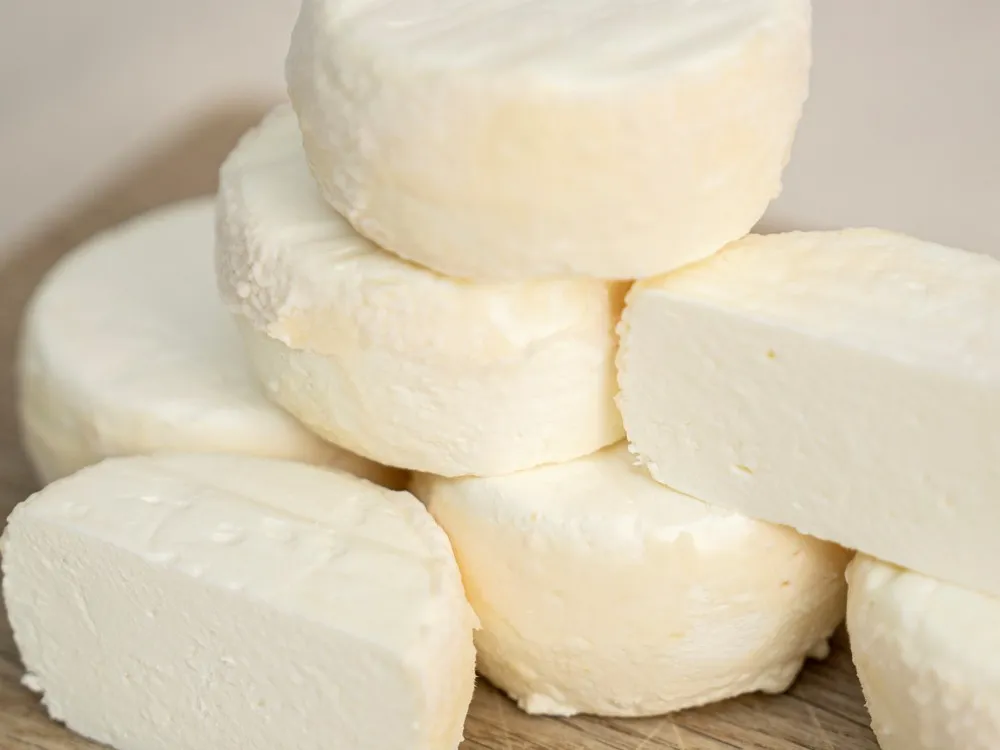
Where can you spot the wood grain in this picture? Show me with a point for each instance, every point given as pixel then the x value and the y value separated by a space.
pixel 824 711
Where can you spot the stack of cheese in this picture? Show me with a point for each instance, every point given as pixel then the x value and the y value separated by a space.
pixel 423 264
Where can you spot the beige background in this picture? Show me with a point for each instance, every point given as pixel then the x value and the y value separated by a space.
pixel 902 130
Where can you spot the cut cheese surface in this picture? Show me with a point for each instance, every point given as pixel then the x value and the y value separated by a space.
pixel 846 384
pixel 210 601
pixel 600 591
pixel 127 349
pixel 925 653
pixel 514 139
pixel 393 361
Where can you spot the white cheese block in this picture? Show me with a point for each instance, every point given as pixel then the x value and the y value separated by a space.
pixel 600 591
pixel 514 139
pixel 926 655
pixel 844 383
pixel 197 601
pixel 127 349
pixel 393 361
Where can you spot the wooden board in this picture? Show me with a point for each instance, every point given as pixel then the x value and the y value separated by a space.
pixel 824 711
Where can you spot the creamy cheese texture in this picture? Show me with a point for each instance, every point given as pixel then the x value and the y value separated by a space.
pixel 846 384
pixel 127 349
pixel 926 655
pixel 600 591
pixel 393 361
pixel 514 139
pixel 227 602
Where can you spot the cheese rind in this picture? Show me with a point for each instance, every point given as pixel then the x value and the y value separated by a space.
pixel 393 361
pixel 126 349
pixel 924 650
pixel 550 138
pixel 600 591
pixel 195 601
pixel 846 384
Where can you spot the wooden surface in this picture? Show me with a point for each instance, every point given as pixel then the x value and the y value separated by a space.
pixel 824 711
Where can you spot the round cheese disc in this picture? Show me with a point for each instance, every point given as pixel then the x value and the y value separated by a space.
pixel 393 361
pixel 600 591
pixel 126 348
pixel 233 602
pixel 925 653
pixel 516 139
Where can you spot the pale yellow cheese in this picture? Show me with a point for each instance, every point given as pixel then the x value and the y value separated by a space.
pixel 126 349
pixel 222 602
pixel 603 592
pixel 518 139
pixel 395 362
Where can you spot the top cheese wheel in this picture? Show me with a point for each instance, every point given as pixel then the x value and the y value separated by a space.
pixel 846 384
pixel 127 349
pixel 508 139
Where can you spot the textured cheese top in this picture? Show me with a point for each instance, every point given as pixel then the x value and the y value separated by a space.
pixel 571 42
pixel 314 542
pixel 602 501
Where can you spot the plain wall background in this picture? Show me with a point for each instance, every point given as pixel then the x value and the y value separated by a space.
pixel 902 129
pixel 89 87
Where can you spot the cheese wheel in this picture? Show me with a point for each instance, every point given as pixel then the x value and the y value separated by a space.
pixel 393 361
pixel 194 601
pixel 925 653
pixel 516 139
pixel 602 592
pixel 846 384
pixel 126 349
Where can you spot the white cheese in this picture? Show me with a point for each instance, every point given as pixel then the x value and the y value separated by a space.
pixel 844 383
pixel 393 361
pixel 229 602
pixel 127 349
pixel 514 139
pixel 600 591
pixel 926 655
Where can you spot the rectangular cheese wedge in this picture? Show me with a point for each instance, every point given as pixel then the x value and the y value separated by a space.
pixel 209 602
pixel 843 383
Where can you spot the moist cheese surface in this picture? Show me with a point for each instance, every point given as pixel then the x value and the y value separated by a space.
pixel 218 601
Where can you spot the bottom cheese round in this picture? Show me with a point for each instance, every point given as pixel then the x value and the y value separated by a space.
pixel 600 591
pixel 127 349
pixel 195 601
pixel 926 656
